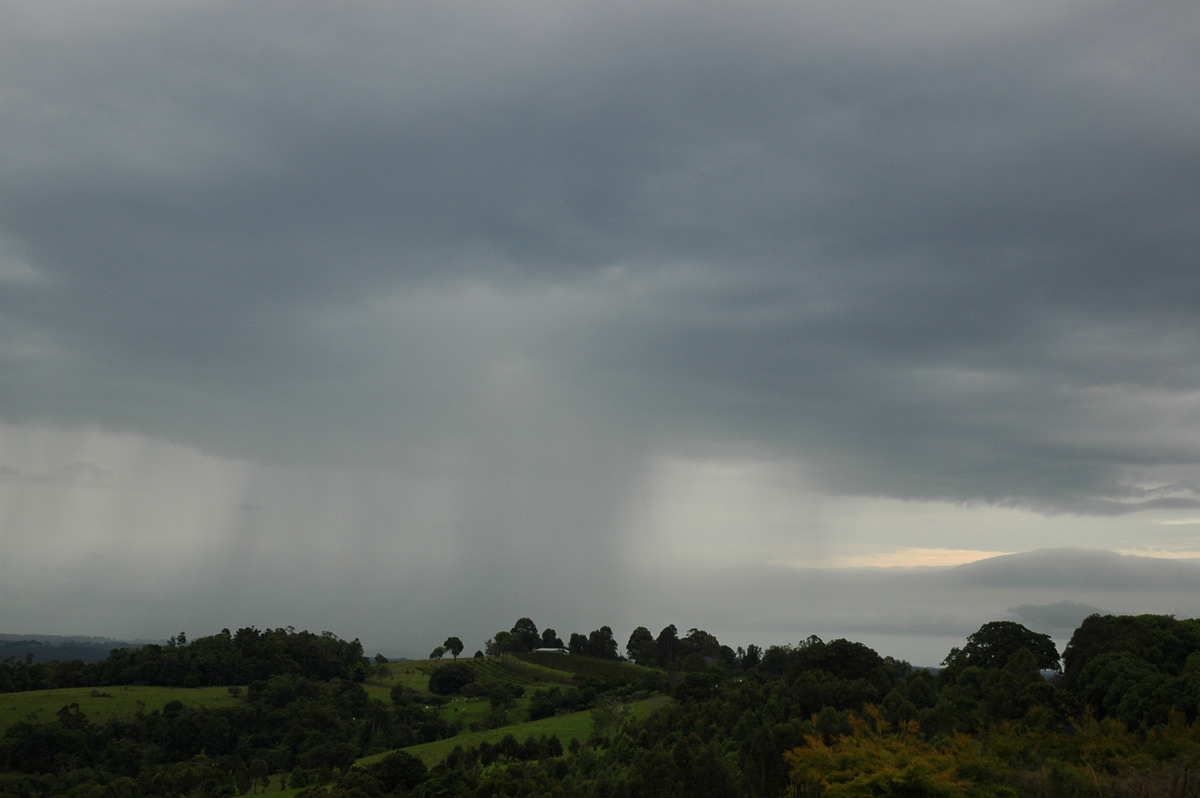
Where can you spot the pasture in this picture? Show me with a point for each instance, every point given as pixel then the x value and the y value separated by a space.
pixel 102 703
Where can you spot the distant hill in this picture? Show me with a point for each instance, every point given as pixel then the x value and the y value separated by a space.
pixel 47 648
pixel 1073 567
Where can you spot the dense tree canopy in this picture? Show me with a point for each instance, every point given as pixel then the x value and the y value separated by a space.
pixel 451 679
pixel 1161 640
pixel 997 642
pixel 578 644
pixel 640 648
pixel 503 643
pixel 525 631
pixel 602 644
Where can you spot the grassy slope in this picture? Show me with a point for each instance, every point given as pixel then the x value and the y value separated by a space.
pixel 100 704
pixel 532 672
pixel 41 706
pixel 575 725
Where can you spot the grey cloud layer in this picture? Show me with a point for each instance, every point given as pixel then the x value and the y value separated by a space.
pixel 935 253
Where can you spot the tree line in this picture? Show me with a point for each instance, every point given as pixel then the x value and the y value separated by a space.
pixel 1116 714
pixel 216 660
pixel 524 637
pixel 697 649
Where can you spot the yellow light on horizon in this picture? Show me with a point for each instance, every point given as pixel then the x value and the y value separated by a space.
pixel 909 557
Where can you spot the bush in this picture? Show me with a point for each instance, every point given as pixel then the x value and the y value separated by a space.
pixel 399 770
pixel 450 679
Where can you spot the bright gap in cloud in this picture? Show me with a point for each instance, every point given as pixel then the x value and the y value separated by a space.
pixel 713 513
pixel 908 557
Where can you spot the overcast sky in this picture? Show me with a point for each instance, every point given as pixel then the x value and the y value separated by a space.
pixel 408 319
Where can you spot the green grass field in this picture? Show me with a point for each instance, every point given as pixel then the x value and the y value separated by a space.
pixel 415 676
pixel 408 674
pixel 576 668
pixel 102 703
pixel 575 725
pixel 564 727
pixel 99 704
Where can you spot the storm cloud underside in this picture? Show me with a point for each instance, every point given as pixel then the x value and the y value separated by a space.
pixel 483 302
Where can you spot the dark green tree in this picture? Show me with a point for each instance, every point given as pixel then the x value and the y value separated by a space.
pixel 450 679
pixel 996 642
pixel 526 632
pixel 398 771
pixel 775 659
pixel 504 643
pixel 667 649
pixel 640 648
pixel 454 646
pixel 1160 640
pixel 601 644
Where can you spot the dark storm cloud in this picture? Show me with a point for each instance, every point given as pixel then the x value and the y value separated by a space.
pixel 937 253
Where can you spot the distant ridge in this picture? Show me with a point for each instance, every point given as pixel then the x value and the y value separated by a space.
pixel 60 639
pixel 1076 567
pixel 61 648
